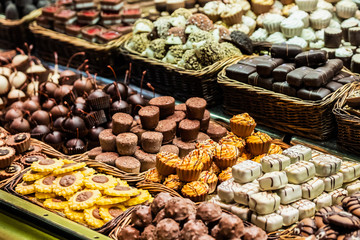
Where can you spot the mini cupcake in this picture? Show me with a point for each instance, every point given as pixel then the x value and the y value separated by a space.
pixel 210 179
pixel 195 191
pixel 242 125
pixel 189 168
pixel 226 155
pixel 20 142
pixel 346 9
pixel 7 156
pixel 307 5
pixel 214 9
pixel 345 55
pixel 259 35
pixel 232 14
pixel 173 182
pixel 166 163
pixel 298 41
pixel 291 27
pixel 225 175
pixel 232 139
pixel 320 19
pixel 276 38
pixel 258 143
pixel 204 155
pixel 28 159
pixel 261 6
pixel 272 22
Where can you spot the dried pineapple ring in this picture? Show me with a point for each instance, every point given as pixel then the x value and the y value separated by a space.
pixel 25 188
pixel 45 185
pixel 56 203
pixel 100 181
pixel 31 175
pixel 141 198
pixel 68 184
pixel 40 195
pixel 69 167
pixel 121 191
pixel 84 199
pixel 46 165
pixel 77 216
pixel 106 200
pixel 109 212
pixel 93 218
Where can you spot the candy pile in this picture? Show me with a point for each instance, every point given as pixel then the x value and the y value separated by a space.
pixel 77 191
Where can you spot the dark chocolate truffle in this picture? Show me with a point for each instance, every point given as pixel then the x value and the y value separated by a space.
pixel 141 217
pixel 193 229
pixel 159 202
pixel 167 229
pixel 208 212
pixel 129 233
pixel 177 209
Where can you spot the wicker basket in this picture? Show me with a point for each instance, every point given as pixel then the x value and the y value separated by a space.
pixel 171 80
pixel 348 124
pixel 99 55
pixel 13 33
pixel 311 119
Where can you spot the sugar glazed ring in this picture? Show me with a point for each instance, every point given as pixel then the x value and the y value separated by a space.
pixel 109 212
pixel 93 217
pixel 107 200
pixel 41 196
pixel 69 167
pixel 100 181
pixel 142 197
pixel 84 199
pixel 77 216
pixel 25 188
pixel 46 165
pixel 86 171
pixel 57 203
pixel 31 175
pixel 45 185
pixel 68 184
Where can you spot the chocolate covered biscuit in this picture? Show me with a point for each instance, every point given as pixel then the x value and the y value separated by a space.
pixel 312 58
pixel 239 72
pixel 285 51
pixel 280 72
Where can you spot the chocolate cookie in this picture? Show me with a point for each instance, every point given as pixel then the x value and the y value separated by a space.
pixel 344 220
pixel 321 217
pixel 352 204
pixel 305 228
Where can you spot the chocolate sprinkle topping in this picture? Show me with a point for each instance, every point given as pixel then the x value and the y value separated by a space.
pixel 82 197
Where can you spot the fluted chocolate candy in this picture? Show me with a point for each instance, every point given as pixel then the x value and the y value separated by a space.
pixel 284 88
pixel 322 75
pixel 280 72
pixel 312 58
pixel 285 51
pixel 265 68
pixel 295 77
pixel 239 72
pixel 264 82
pixel 316 94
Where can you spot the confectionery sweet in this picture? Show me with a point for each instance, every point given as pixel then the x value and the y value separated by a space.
pixel 264 202
pixel 333 182
pixel 128 164
pixel 306 208
pixel 274 162
pixel 290 193
pixel 246 171
pixel 259 143
pixel 350 171
pixel 269 223
pixel 225 155
pixel 305 228
pixel 242 193
pixel 151 141
pixel 126 143
pixel 273 181
pixel 326 165
pixel 225 191
pixel 289 214
pixel 242 125
pixel 352 187
pixel 313 188
pixel 323 200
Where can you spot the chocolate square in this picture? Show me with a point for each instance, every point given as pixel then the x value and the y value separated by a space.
pixel 285 51
pixel 312 58
pixel 256 80
pixel 266 67
pixel 349 79
pixel 280 72
pixel 295 77
pixel 314 94
pixel 341 75
pixel 239 72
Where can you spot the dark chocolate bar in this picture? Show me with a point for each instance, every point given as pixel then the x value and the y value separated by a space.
pixel 256 80
pixel 322 75
pixel 284 88
pixel 254 61
pixel 314 94
pixel 333 86
pixel 280 72
pixel 349 79
pixel 312 58
pixel 341 75
pixel 285 51
pixel 295 77
pixel 239 72
pixel 266 67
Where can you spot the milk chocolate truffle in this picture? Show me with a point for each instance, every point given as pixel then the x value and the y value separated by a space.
pixel 204 123
pixel 160 216
pixel 177 208
pixel 167 229
pixel 184 147
pixel 107 157
pixel 166 105
pixel 208 212
pixel 107 140
pixel 149 233
pixel 39 131
pixel 121 122
pixel 189 130
pixel 126 143
pixel 195 108
pixel 230 226
pixel 159 202
pixel 254 233
pixel 147 160
pixel 128 164
pixel 170 148
pixel 216 132
pixel 149 117
pixel 151 141
pixel 93 153
pixel 168 130
pixel 141 217
pixel 193 229
pixel 129 233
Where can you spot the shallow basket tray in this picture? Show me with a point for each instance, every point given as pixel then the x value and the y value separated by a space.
pixel 311 119
pixel 348 124
pixel 171 80
pixel 99 55
pixel 13 33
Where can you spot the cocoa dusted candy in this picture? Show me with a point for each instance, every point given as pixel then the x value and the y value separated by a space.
pixel 285 51
pixel 229 227
pixel 312 58
pixel 208 212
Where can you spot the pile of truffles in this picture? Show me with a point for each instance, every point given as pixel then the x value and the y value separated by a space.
pixel 187 40
pixel 336 222
pixel 172 218
pixel 132 143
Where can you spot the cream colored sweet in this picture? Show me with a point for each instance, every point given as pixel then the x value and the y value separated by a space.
pixel 274 162
pixel 333 182
pixel 300 172
pixel 346 9
pixel 241 211
pixel 216 200
pixel 302 15
pixel 352 187
pixel 214 8
pixel 308 34
pixel 179 21
pixel 317 45
pixel 291 27
pixel 307 5
pixel 323 200
pixel 351 171
pixel 225 191
pixel 273 181
pixel 275 38
pixel 289 194
pixel 343 52
pixel 264 202
pixel 320 19
pixel 322 4
pixel 142 26
pixel 320 34
pixel 298 41
pixel 269 223
pixel 272 22
pixel 306 208
pixel 298 153
pixel 289 214
pixel 259 35
pixel 243 192
pixel 338 195
pixel 326 165
pixel 246 171
pixel 313 188
pixel 248 21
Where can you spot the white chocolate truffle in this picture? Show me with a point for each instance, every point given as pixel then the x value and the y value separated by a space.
pixel 273 181
pixel 290 193
pixel 264 202
pixel 246 171
pixel 352 187
pixel 351 171
pixel 269 223
pixel 338 195
pixel 297 153
pixel 306 208
pixel 324 200
pixel 312 188
pixel 333 182
pixel 242 193
pixel 300 172
pixel 326 165
pixel 4 85
pixel 274 162
pixel 17 79
pixel 289 214
pixel 225 191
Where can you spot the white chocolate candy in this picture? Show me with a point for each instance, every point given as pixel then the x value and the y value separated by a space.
pixel 225 191
pixel 216 200
pixel 306 208
pixel 246 171
pixel 312 188
pixel 290 193
pixel 351 171
pixel 289 214
pixel 297 153
pixel 274 162
pixel 264 202
pixel 326 165
pixel 352 187
pixel 338 195
pixel 300 172
pixel 269 223
pixel 242 193
pixel 324 200
pixel 273 181
pixel 241 211
pixel 333 182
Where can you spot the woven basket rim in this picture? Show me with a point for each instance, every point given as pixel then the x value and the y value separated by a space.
pixel 339 110
pixel 112 45
pixel 27 18
pixel 208 70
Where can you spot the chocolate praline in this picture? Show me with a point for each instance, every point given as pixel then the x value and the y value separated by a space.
pixel 17 104
pixel 74 125
pixel 208 212
pixel 19 125
pixel 119 106
pixel 48 104
pixel 39 131
pixel 129 233
pixel 141 217
pixel 136 100
pixel 59 111
pixel 167 229
pixel 193 229
pixel 79 109
pixel 159 202
pixel 93 134
pixel 31 106
pixel 48 89
pixel 177 209
pixel 83 85
pixel 61 91
pixel 149 233
pixel 40 117
pixel 111 90
pixel 13 113
pixel 54 137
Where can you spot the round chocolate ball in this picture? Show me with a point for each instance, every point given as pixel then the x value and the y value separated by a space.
pixel 48 89
pixel 54 137
pixel 39 131
pixel 40 117
pixel 112 91
pixel 59 111
pixel 93 134
pixel 48 104
pixel 83 85
pixel 61 91
pixel 13 113
pixel 19 125
pixel 31 105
